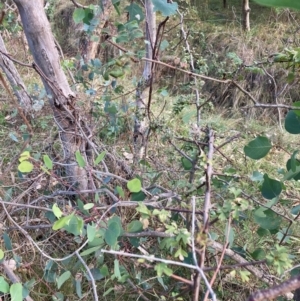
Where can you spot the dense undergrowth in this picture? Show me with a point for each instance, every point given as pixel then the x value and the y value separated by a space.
pixel 173 174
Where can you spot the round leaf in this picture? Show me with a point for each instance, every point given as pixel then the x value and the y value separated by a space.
pixel 16 291
pixel 270 188
pixel 112 233
pixel 135 226
pixel 187 164
pixel 4 286
pixel 78 15
pixel 296 164
pixel 258 148
pixel 269 221
pixel 292 122
pixel 25 166
pixel 134 185
pixel 138 196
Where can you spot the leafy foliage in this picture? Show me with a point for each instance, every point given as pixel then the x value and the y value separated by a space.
pixel 258 148
pixel 144 205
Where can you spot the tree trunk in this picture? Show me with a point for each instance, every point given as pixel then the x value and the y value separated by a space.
pixel 61 97
pixel 14 79
pixel 246 15
pixel 90 47
pixel 140 126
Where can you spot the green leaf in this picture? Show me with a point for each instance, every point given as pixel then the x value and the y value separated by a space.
pixel 258 148
pixel 108 291
pixel 292 174
pixel 116 219
pixel 75 225
pixel 63 278
pixel 138 197
pixel 295 210
pixel 135 12
pixel 143 210
pixel 134 185
pixel 7 242
pixel 88 206
pixel 134 226
pixel 117 269
pixel 120 191
pixel 57 212
pixel 104 270
pixel 187 164
pixel 90 250
pixel 78 288
pixel 97 275
pixel 1 254
pixel 297 104
pixel 293 162
pixel 91 232
pixel 257 176
pixel 25 166
pixel 270 188
pixel 293 167
pixel 269 221
pixel 79 159
pixel 245 275
pixel 116 72
pixel 165 7
pixel 292 122
pixel 15 291
pixel 78 15
pixel 262 232
pixel 295 4
pixel 24 156
pixel 258 254
pixel 112 233
pixel 58 296
pixel 48 162
pixel 4 286
pixel 100 157
pixel 230 234
pixel 162 268
pixel 62 222
pixel 89 15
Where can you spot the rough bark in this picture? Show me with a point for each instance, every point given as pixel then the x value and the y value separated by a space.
pixel 246 15
pixel 140 126
pixel 61 97
pixel 14 79
pixel 90 47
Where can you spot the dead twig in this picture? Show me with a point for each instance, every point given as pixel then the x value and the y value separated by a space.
pixel 276 290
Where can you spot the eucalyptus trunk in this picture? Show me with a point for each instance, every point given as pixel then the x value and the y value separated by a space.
pixel 61 98
pixel 142 92
pixel 14 79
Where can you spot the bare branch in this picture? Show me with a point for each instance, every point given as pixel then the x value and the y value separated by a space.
pixel 276 290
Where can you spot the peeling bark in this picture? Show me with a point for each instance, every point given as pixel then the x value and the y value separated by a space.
pixel 140 126
pixel 61 98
